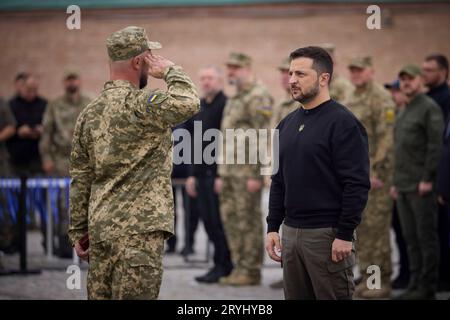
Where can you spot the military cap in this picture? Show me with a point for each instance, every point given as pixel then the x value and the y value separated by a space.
pixel 129 42
pixel 361 62
pixel 328 47
pixel 71 73
pixel 412 70
pixel 239 59
pixel 285 64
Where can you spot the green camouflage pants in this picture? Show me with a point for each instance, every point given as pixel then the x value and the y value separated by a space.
pixel 373 234
pixel 126 268
pixel 241 216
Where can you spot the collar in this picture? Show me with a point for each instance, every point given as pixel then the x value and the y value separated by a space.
pixel 111 84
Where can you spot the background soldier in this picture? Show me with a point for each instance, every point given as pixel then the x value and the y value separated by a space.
pixel 340 87
pixel 280 111
pixel 288 104
pixel 372 104
pixel 240 185
pixel 8 235
pixel 418 144
pixel 59 123
pixel 120 167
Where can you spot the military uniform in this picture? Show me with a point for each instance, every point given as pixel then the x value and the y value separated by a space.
pixel 59 123
pixel 120 164
pixel 8 234
pixel 374 107
pixel 287 105
pixel 250 108
pixel 6 119
pixel 340 87
pixel 418 144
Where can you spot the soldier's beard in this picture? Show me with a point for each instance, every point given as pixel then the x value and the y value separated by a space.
pixel 143 79
pixel 72 89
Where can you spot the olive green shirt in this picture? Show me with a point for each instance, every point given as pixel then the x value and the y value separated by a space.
pixel 418 143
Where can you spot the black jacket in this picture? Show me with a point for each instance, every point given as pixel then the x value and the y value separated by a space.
pixel 23 151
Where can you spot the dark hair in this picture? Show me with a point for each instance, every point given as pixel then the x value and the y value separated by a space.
pixel 440 59
pixel 322 61
pixel 22 76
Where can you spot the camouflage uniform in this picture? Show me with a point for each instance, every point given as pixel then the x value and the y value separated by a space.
pixel 340 87
pixel 287 105
pixel 374 107
pixel 250 108
pixel 6 119
pixel 59 123
pixel 7 231
pixel 120 165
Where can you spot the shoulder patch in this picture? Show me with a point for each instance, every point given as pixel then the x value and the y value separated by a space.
pixel 390 116
pixel 155 99
pixel 265 110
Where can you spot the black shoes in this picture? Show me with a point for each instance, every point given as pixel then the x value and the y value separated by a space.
pixel 401 282
pixel 213 275
pixel 186 251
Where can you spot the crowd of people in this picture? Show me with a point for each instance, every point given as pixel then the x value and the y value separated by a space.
pixel 408 129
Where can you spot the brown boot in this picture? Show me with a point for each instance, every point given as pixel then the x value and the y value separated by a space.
pixel 360 288
pixel 383 293
pixel 239 279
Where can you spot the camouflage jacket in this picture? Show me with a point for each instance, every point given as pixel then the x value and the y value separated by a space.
pixel 374 107
pixel 250 108
pixel 282 110
pixel 121 158
pixel 59 123
pixel 340 89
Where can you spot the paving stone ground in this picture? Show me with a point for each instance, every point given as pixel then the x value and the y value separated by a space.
pixel 178 280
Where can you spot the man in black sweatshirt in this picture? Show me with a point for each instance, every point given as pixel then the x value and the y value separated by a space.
pixel 321 187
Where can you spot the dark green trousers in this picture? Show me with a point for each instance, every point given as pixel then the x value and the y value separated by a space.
pixel 308 271
pixel 418 219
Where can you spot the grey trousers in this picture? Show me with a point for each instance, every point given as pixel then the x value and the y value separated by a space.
pixel 308 271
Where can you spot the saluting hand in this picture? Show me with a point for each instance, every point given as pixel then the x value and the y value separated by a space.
pixel 157 65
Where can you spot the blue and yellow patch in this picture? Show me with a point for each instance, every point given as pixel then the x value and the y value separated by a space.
pixel 152 98
pixel 265 110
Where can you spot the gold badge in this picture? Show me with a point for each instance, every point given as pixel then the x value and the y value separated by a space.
pixel 302 126
pixel 390 116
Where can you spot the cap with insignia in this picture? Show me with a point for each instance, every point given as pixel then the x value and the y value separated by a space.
pixel 129 42
pixel 239 59
pixel 285 64
pixel 328 47
pixel 360 62
pixel 412 70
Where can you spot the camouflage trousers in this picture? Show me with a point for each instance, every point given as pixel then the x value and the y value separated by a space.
pixel 129 267
pixel 373 234
pixel 241 216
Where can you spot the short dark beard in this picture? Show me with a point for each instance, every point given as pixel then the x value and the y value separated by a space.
pixel 72 89
pixel 310 95
pixel 143 80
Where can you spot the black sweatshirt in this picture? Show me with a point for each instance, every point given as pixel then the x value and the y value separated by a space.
pixel 23 150
pixel 323 177
pixel 210 116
